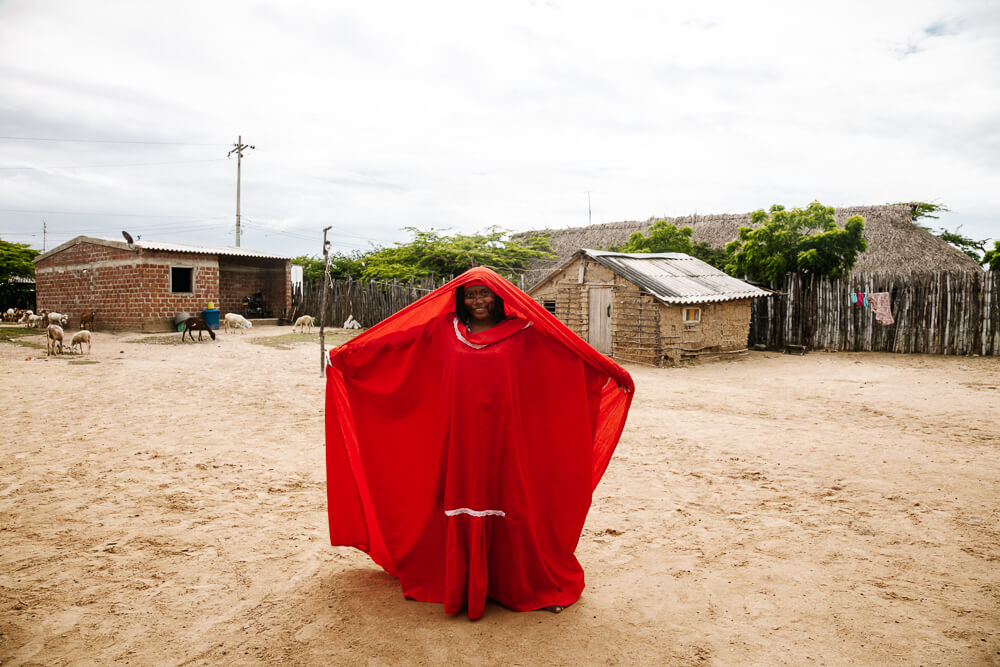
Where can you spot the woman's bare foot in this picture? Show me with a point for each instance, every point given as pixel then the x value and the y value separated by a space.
pixel 555 609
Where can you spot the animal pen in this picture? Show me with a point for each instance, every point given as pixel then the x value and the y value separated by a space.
pixel 936 313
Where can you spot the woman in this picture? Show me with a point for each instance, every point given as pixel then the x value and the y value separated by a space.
pixel 465 436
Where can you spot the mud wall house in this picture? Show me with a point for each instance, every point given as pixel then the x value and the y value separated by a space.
pixel 142 286
pixel 658 309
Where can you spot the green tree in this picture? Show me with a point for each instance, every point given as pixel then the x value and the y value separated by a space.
pixel 922 209
pixel 992 257
pixel 717 257
pixel 661 237
pixel 666 237
pixel 341 266
pixel 15 261
pixel 431 253
pixel 969 246
pixel 804 240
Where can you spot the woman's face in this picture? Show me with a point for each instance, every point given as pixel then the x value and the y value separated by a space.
pixel 480 301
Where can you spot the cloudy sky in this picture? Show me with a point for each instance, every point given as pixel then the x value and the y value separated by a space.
pixel 374 116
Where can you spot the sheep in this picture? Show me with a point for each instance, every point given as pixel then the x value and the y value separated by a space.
pixel 58 318
pixel 79 338
pixel 54 338
pixel 351 323
pixel 235 321
pixel 34 321
pixel 305 322
pixel 87 320
pixel 198 324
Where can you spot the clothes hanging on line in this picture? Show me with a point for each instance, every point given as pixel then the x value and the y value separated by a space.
pixel 878 302
pixel 881 307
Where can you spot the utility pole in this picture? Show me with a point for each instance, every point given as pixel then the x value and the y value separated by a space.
pixel 588 209
pixel 322 303
pixel 238 148
pixel 43 235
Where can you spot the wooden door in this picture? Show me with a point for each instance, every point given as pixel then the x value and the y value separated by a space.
pixel 599 335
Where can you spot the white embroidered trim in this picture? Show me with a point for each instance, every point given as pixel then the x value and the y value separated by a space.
pixel 466 510
pixel 458 334
pixel 462 338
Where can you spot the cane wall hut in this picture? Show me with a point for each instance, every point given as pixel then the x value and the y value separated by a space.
pixel 652 308
pixel 141 286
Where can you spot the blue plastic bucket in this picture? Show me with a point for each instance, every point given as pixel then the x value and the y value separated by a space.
pixel 211 317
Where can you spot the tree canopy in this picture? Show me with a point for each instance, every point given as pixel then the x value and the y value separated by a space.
pixel 666 237
pixel 922 209
pixel 432 253
pixel 341 266
pixel 15 261
pixel 992 257
pixel 803 240
pixel 970 246
pixel 966 244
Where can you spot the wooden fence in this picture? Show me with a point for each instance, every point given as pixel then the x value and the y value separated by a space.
pixel 937 313
pixel 368 302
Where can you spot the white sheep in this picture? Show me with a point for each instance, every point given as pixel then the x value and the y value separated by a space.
pixel 235 321
pixel 79 338
pixel 351 323
pixel 34 321
pixel 58 318
pixel 305 322
pixel 54 339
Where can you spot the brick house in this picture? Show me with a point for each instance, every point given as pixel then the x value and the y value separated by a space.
pixel 141 286
pixel 651 308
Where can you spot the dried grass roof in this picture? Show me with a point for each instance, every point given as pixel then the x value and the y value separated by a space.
pixel 895 244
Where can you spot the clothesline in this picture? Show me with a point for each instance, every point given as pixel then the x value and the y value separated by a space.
pixel 878 302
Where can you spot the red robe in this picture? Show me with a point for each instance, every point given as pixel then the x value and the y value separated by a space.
pixel 464 464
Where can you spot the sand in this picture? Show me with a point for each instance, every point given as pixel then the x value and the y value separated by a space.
pixel 165 505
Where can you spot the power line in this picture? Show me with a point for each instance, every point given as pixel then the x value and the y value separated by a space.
pixel 122 164
pixel 110 141
pixel 99 214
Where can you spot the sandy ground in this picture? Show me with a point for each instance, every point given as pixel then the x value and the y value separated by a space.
pixel 165 505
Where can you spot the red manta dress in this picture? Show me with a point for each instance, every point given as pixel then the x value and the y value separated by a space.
pixel 464 464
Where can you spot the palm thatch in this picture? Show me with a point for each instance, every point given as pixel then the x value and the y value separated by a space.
pixel 896 246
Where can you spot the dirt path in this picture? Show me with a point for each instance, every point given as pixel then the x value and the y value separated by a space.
pixel 165 505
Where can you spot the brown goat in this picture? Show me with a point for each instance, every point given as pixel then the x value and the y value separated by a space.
pixel 87 320
pixel 54 339
pixel 198 324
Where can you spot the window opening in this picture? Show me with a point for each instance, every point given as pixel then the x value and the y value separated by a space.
pixel 692 315
pixel 550 305
pixel 181 279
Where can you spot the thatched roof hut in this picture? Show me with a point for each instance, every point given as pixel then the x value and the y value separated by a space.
pixel 895 245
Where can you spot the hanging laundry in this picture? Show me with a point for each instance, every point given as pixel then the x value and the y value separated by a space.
pixel 881 306
pixel 854 298
pixel 866 298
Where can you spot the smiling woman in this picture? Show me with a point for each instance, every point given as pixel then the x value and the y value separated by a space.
pixel 478 307
pixel 445 463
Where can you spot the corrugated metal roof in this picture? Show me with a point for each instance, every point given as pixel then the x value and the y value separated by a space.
pixel 204 249
pixel 674 277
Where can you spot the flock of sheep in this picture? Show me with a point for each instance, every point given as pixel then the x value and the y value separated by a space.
pixel 55 323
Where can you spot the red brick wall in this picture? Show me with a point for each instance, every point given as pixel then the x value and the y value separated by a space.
pixel 129 291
